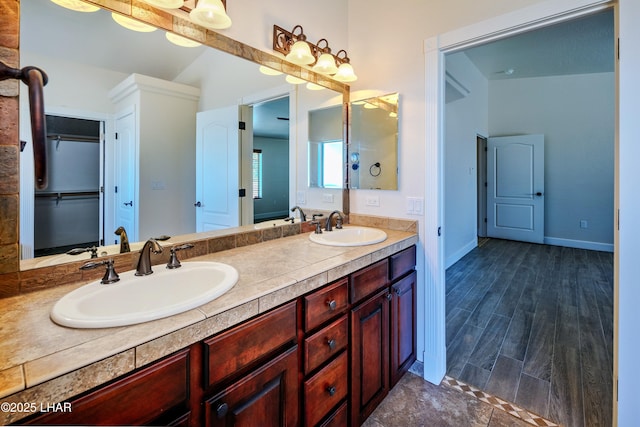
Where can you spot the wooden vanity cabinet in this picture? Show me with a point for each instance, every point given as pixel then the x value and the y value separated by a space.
pixel 157 392
pixel 403 312
pixel 326 359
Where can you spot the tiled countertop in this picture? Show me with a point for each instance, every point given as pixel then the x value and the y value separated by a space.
pixel 42 362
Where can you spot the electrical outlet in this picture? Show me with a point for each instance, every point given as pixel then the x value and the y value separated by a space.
pixel 327 198
pixel 301 198
pixel 584 223
pixel 157 185
pixel 373 201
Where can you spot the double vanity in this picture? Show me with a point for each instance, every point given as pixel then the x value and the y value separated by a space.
pixel 311 333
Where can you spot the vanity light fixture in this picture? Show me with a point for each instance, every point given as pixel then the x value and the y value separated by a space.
pixel 210 14
pixel 132 24
pixel 269 71
pixel 77 5
pixel 294 47
pixel 313 86
pixel 181 41
pixel 326 63
pixel 294 80
pixel 345 70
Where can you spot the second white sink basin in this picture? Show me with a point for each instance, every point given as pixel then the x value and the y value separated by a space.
pixel 349 236
pixel 140 299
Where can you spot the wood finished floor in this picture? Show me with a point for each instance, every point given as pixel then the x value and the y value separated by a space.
pixel 533 324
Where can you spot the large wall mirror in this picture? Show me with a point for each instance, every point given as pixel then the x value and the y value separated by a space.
pixel 373 143
pixel 90 61
pixel 326 148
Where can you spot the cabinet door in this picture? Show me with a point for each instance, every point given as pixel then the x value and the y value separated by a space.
pixel 403 326
pixel 369 355
pixel 267 397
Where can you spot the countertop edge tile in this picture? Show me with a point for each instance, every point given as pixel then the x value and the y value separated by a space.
pixel 160 347
pixel 71 384
pixel 11 381
pixel 274 299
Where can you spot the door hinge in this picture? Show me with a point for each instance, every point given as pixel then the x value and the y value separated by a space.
pixel 486 149
pixel 116 135
pixel 485 220
pixel 242 192
pixel 242 125
pixel 439 231
pixel 618 49
pixel 116 188
pixel 618 219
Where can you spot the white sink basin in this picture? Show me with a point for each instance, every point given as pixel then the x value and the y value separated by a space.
pixel 349 236
pixel 273 223
pixel 139 299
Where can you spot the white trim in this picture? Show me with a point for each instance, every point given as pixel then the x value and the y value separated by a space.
pixel 457 255
pixel 537 15
pixel 579 244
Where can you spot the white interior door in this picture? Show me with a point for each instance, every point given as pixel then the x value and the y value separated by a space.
pixel 515 188
pixel 217 169
pixel 126 202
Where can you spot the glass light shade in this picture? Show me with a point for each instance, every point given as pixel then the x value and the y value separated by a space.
pixel 132 24
pixel 294 80
pixel 210 14
pixel 326 64
pixel 345 73
pixel 300 53
pixel 181 41
pixel 166 4
pixel 269 71
pixel 369 106
pixel 313 86
pixel 77 5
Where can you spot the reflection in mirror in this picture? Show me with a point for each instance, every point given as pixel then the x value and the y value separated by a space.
pixel 373 143
pixel 87 55
pixel 326 148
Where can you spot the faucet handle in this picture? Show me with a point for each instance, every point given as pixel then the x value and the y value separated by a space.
pixel 110 276
pixel 318 226
pixel 339 222
pixel 174 262
pixel 78 251
pixel 316 216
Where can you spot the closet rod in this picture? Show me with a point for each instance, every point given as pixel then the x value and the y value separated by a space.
pixel 73 138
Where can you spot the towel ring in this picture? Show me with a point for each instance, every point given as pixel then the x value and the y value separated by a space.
pixel 371 169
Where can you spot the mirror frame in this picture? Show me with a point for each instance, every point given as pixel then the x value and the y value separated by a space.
pixel 174 21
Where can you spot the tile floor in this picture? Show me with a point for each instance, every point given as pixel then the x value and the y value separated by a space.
pixel 533 324
pixel 414 402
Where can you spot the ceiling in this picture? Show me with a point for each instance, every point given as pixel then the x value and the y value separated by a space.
pixel 580 46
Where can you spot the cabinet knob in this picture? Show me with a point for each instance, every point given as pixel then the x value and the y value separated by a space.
pixel 397 291
pixel 389 296
pixel 331 343
pixel 221 410
pixel 331 390
pixel 332 304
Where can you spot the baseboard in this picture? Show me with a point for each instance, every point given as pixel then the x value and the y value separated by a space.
pixel 457 255
pixel 432 370
pixel 579 244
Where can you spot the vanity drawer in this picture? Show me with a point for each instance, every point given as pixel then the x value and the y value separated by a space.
pixel 325 304
pixel 240 347
pixel 338 418
pixel 325 343
pixel 402 262
pixel 325 390
pixel 368 280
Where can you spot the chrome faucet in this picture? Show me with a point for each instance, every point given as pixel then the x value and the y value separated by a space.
pixel 339 220
pixel 144 262
pixel 124 240
pixel 303 217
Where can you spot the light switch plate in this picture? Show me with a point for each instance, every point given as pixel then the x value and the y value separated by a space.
pixel 301 197
pixel 373 201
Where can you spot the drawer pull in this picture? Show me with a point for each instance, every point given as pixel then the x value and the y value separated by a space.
pixel 331 343
pixel 389 296
pixel 331 390
pixel 221 410
pixel 332 304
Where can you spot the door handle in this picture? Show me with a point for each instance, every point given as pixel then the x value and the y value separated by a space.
pixel 128 203
pixel 538 194
pixel 197 204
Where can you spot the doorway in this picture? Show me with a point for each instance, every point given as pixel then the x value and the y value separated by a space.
pixel 435 49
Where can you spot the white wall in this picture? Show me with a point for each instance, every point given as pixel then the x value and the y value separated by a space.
pixel 576 115
pixel 465 119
